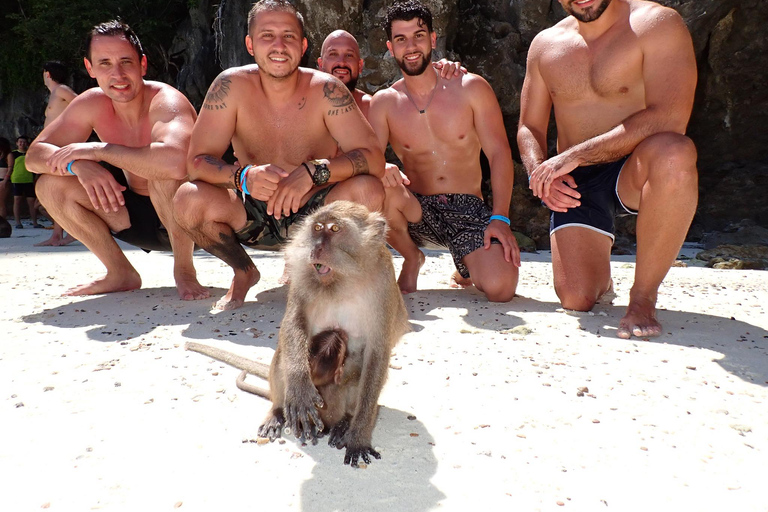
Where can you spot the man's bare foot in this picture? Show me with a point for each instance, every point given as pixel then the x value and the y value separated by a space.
pixel 189 288
pixel 115 282
pixel 57 241
pixel 409 274
pixel 457 281
pixel 241 283
pixel 640 320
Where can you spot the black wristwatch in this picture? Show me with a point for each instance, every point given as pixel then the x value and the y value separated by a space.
pixel 322 174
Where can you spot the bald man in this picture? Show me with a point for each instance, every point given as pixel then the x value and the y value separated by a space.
pixel 340 57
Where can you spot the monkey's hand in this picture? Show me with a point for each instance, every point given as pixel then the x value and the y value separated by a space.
pixel 301 414
pixel 340 437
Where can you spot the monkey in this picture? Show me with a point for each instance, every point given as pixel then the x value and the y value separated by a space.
pixel 344 315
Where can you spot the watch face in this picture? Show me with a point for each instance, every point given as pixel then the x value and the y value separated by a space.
pixel 322 173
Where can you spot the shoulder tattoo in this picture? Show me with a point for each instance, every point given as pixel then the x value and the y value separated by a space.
pixel 217 94
pixel 359 162
pixel 339 98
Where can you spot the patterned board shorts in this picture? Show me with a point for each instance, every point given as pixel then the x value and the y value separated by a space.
pixel 454 221
pixel 265 231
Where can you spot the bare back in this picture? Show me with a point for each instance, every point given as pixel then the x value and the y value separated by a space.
pixel 595 83
pixel 60 97
pixel 440 149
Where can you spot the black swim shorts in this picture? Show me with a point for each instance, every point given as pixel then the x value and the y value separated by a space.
pixel 146 231
pixel 600 202
pixel 24 190
pixel 454 221
pixel 264 230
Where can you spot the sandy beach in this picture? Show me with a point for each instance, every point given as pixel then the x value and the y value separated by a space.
pixel 519 406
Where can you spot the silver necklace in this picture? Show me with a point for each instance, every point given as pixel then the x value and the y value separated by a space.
pixel 424 110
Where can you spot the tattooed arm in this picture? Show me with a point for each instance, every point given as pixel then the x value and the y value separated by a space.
pixel 361 152
pixel 213 133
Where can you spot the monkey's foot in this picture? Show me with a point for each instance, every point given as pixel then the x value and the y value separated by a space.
pixel 273 426
pixel 409 274
pixel 189 288
pixel 241 283
pixel 640 320
pixel 355 454
pixel 457 281
pixel 112 282
pixel 337 433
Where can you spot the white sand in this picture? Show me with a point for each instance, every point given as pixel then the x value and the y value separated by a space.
pixel 102 409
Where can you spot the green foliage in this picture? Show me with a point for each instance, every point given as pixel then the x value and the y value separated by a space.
pixel 35 31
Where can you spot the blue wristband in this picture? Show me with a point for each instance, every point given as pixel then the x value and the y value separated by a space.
pixel 502 218
pixel 243 180
pixel 69 168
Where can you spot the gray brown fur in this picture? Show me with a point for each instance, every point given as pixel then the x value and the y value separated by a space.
pixel 359 297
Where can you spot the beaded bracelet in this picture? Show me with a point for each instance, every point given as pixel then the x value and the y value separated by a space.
pixel 502 218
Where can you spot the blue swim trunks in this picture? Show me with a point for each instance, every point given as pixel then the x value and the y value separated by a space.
pixel 600 203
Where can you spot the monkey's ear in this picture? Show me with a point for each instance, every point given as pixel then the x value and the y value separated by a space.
pixel 377 226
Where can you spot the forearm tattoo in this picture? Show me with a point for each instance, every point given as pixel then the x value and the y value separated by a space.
pixel 338 97
pixel 359 162
pixel 218 92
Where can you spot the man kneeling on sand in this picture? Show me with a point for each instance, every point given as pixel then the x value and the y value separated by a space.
pixel 145 128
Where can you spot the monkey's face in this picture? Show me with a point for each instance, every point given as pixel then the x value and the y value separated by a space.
pixel 335 241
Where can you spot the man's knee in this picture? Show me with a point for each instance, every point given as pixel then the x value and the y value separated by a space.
pixel 496 287
pixel 576 300
pixel 187 204
pixel 673 155
pixel 365 190
pixel 47 189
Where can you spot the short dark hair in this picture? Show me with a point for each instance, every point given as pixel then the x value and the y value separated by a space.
pixel 275 6
pixel 22 137
pixel 113 28
pixel 57 70
pixel 407 10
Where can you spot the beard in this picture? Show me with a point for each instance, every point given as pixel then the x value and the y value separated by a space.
pixel 591 14
pixel 351 80
pixel 427 60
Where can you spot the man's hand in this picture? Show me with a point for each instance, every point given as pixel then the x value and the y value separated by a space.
pixel 262 180
pixel 501 232
pixel 393 176
pixel 58 161
pixel 290 191
pixel 544 175
pixel 562 195
pixel 449 69
pixel 103 190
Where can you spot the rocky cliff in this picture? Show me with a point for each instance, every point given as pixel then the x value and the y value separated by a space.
pixel 491 38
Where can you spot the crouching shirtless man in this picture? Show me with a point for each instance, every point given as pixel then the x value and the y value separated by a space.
pixel 298 135
pixel 437 128
pixel 621 76
pixel 144 127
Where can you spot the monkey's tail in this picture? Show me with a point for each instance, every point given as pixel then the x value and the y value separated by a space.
pixel 250 388
pixel 241 363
